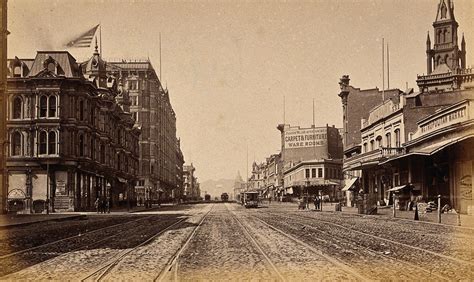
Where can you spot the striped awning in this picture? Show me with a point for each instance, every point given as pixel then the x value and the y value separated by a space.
pixel 350 184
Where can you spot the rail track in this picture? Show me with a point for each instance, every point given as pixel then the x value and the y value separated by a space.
pixel 37 254
pixel 172 266
pixel 73 237
pixel 371 250
pixel 415 248
pixel 103 270
pixel 334 261
pixel 270 265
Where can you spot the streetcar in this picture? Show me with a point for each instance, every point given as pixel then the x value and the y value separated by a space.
pixel 224 197
pixel 250 199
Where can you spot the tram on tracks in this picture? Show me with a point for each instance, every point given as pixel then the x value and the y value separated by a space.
pixel 224 197
pixel 250 199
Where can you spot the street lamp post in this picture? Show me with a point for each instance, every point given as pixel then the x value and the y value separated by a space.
pixel 47 187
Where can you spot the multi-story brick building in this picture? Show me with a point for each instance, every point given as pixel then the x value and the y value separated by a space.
pixel 71 137
pixel 304 153
pixel 191 185
pixel 417 145
pixel 160 158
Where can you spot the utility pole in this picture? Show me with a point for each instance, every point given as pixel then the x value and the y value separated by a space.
pixel 3 106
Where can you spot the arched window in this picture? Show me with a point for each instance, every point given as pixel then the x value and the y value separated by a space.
pixel 81 110
pixel 43 107
pixel 16 144
pixel 92 146
pixel 52 106
pixel 52 143
pixel 81 145
pixel 372 145
pixel 52 67
pixel 388 140
pixel 17 71
pixel 364 148
pixel 17 107
pixel 446 58
pixel 102 153
pixel 42 143
pixel 379 141
pixel 397 138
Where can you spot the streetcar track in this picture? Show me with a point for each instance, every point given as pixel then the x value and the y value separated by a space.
pixel 250 237
pixel 376 253
pixel 102 271
pixel 339 264
pixel 69 238
pixel 173 263
pixel 386 240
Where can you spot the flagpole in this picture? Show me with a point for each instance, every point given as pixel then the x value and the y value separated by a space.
pixel 161 76
pixel 383 70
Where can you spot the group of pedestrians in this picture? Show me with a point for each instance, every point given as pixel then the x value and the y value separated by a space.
pixel 303 203
pixel 102 205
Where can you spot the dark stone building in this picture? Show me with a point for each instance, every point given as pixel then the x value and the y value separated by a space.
pixel 161 161
pixel 71 137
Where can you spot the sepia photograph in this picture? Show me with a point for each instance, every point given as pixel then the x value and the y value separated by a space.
pixel 236 140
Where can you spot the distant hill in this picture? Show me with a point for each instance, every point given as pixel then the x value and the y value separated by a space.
pixel 216 187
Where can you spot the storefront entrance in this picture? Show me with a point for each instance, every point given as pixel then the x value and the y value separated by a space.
pixel 463 187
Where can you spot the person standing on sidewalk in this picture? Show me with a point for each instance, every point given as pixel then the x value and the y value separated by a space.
pixel 96 205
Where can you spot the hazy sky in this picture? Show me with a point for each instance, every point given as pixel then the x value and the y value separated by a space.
pixel 228 64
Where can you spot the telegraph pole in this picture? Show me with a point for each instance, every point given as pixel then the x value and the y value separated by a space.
pixel 3 106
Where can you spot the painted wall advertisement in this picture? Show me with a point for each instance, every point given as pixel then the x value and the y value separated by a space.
pixel 304 138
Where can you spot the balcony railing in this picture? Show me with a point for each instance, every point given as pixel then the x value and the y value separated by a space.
pixel 394 151
pixel 377 154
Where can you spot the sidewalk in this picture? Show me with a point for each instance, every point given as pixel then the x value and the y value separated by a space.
pixel 10 220
pixel 118 210
pixel 387 212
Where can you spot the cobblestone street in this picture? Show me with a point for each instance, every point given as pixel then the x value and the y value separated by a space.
pixel 228 242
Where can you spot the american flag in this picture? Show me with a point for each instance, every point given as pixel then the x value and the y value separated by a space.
pixel 85 39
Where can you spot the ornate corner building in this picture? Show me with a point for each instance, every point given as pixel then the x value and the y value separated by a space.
pixel 71 136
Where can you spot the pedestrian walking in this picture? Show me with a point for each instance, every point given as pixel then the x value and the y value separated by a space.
pixel 317 203
pixel 107 205
pixel 101 205
pixel 96 205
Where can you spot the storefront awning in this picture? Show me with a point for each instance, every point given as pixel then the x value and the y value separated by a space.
pixel 350 184
pixel 431 149
pixel 397 188
pixel 438 146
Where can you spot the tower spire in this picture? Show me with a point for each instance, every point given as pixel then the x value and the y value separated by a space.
pixel 96 48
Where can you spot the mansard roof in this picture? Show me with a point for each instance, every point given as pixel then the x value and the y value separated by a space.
pixel 64 60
